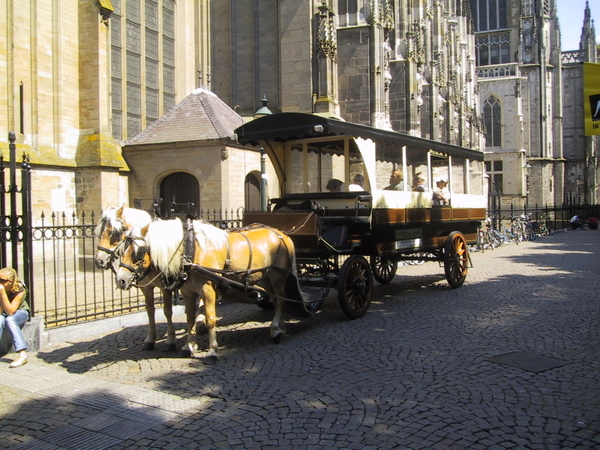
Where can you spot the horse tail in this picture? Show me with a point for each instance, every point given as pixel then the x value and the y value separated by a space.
pixel 291 251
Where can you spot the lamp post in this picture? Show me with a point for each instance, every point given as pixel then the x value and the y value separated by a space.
pixel 527 168
pixel 262 112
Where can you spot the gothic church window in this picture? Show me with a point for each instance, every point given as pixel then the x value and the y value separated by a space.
pixel 142 63
pixel 352 12
pixel 489 14
pixel 494 169
pixel 492 117
pixel 493 49
pixel 528 7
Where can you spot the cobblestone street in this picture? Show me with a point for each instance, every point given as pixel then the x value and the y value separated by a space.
pixel 511 360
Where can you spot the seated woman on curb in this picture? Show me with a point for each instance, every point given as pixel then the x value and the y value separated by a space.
pixel 14 311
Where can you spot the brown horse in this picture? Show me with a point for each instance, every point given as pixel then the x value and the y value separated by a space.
pixel 111 230
pixel 202 254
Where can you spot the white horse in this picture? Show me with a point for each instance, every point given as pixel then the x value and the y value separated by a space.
pixel 111 230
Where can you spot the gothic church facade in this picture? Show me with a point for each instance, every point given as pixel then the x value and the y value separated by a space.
pixel 82 78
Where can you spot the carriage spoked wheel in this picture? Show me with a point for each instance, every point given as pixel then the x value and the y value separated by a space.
pixel 384 269
pixel 355 287
pixel 456 259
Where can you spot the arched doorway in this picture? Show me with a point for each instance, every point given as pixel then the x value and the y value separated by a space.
pixel 252 192
pixel 180 192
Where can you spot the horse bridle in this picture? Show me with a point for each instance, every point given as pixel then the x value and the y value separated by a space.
pixel 114 236
pixel 138 271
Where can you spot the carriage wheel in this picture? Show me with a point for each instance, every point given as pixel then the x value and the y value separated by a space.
pixel 384 269
pixel 355 287
pixel 456 258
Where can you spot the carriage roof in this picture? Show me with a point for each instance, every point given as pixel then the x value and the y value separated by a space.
pixel 284 127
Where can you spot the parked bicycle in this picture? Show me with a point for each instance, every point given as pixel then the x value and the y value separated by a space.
pixel 528 230
pixel 489 237
pixel 543 226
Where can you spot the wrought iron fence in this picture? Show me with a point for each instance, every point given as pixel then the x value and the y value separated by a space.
pixel 69 287
pixel 559 216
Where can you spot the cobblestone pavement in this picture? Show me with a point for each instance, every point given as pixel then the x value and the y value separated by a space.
pixel 508 361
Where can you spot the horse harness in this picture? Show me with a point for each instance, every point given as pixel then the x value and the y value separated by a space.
pixel 220 276
pixel 225 275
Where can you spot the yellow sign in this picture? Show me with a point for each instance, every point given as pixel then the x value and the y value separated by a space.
pixel 591 98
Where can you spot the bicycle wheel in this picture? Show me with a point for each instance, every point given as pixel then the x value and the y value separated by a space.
pixel 530 232
pixel 513 235
pixel 499 238
pixel 492 239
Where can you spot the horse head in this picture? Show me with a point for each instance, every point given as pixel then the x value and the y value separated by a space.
pixel 134 258
pixel 111 230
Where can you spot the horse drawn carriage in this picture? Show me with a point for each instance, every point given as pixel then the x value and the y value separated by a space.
pixel 357 200
pixel 322 232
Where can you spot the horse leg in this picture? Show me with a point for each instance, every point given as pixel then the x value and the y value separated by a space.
pixel 210 301
pixel 278 324
pixel 168 310
pixel 189 299
pixel 151 336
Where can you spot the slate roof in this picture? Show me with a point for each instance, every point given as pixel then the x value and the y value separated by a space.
pixel 200 116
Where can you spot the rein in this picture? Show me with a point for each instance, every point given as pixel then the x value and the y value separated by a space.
pixel 296 228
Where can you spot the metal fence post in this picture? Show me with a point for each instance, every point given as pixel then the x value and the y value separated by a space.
pixel 13 199
pixel 27 231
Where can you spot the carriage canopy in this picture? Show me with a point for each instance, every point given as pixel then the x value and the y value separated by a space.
pixel 308 151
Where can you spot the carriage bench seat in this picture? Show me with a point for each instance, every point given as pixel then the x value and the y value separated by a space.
pixel 346 207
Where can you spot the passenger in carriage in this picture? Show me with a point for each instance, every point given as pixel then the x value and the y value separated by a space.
pixel 420 184
pixel 334 185
pixel 441 195
pixel 396 181
pixel 358 183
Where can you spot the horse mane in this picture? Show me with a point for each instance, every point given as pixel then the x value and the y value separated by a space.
pixel 209 237
pixel 165 241
pixel 135 217
pixel 130 217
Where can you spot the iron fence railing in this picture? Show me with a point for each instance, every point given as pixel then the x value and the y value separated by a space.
pixel 559 216
pixel 69 287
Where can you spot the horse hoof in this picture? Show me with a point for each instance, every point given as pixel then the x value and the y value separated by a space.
pixel 277 338
pixel 148 346
pixel 170 347
pixel 190 349
pixel 210 360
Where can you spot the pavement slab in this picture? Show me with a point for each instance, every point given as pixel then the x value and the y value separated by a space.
pixel 511 360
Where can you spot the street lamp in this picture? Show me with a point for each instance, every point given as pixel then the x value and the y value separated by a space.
pixel 263 110
pixel 527 168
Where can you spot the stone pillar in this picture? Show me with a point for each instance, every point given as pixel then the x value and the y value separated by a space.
pixel 326 101
pixel 97 151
